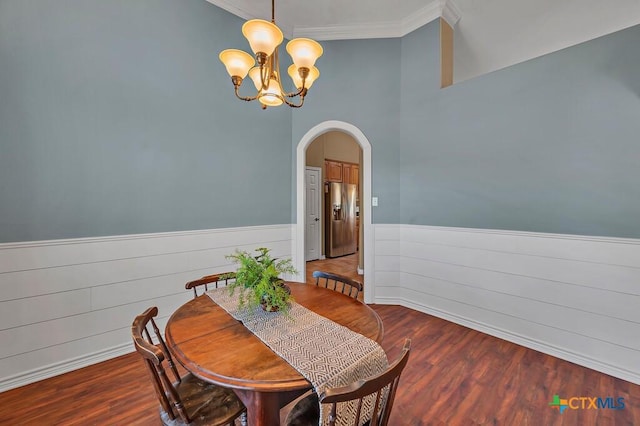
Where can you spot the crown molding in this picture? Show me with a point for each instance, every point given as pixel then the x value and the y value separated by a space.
pixel 429 13
pixel 230 7
pixel 446 9
pixel 346 32
pixel 389 29
pixel 451 13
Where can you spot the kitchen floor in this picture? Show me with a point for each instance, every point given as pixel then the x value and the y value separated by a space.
pixel 345 265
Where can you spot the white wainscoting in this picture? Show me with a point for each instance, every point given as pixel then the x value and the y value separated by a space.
pixel 65 304
pixel 574 297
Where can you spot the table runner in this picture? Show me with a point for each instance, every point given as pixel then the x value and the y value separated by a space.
pixel 325 353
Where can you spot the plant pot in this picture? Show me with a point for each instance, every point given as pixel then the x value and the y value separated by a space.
pixel 264 302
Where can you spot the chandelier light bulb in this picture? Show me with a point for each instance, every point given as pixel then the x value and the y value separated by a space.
pixel 263 36
pixel 304 52
pixel 237 62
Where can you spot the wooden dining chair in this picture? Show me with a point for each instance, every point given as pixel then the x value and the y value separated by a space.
pixel 216 280
pixel 339 283
pixel 307 410
pixel 183 400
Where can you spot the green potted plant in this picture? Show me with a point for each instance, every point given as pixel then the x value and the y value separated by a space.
pixel 258 280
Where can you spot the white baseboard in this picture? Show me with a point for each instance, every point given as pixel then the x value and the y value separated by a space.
pixel 360 271
pixel 56 369
pixel 537 345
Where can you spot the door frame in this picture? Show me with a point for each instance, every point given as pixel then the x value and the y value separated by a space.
pixel 368 245
pixel 320 211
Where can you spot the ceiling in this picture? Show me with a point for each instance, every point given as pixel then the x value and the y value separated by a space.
pixel 489 34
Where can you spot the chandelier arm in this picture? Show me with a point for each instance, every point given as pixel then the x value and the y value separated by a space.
pixel 302 93
pixel 293 94
pixel 244 98
pixel 292 105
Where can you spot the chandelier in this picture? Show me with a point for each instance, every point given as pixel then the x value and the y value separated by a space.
pixel 264 38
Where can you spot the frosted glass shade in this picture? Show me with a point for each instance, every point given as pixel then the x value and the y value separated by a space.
pixel 237 62
pixel 297 80
pixel 254 74
pixel 263 36
pixel 304 52
pixel 273 95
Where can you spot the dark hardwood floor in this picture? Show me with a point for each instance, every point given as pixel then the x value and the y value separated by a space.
pixel 455 376
pixel 345 265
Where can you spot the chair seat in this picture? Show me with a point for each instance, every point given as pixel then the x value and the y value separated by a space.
pixel 306 412
pixel 206 403
pixel 183 400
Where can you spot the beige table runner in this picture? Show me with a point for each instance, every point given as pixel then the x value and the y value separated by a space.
pixel 325 353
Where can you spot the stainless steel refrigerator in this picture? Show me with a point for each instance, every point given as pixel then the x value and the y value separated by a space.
pixel 340 219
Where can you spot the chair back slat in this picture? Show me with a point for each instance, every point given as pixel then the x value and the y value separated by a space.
pixel 165 351
pixel 383 385
pixel 222 279
pixel 157 387
pixel 340 283
pixel 154 355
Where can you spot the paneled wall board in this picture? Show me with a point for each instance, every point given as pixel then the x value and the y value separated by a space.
pixel 35 255
pixel 47 280
pixel 607 250
pixel 47 359
pixel 580 298
pixel 556 316
pixel 44 308
pixel 602 356
pixel 65 329
pixel 64 304
pixel 569 296
pixel 388 232
pixel 623 279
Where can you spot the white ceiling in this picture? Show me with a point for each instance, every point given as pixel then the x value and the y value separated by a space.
pixel 489 34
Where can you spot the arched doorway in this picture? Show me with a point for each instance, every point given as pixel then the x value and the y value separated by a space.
pixel 365 204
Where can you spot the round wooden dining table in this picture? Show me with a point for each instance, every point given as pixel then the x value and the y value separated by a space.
pixel 217 348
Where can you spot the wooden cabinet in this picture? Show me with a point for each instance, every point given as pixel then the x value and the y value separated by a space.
pixel 355 174
pixel 346 172
pixel 333 170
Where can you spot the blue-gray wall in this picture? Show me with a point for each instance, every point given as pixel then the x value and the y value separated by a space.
pixel 117 117
pixel 549 145
pixel 359 84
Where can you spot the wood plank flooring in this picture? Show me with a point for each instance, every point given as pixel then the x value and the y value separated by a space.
pixel 345 265
pixel 455 376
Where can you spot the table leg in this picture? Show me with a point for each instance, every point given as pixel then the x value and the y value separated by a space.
pixel 263 408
